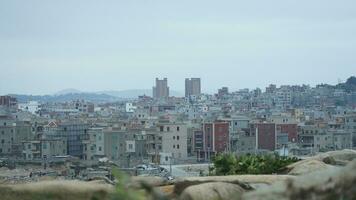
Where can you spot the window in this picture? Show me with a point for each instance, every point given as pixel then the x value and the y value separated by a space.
pixel 161 128
pixel 177 137
pixel 44 145
pixel 178 128
pixel 174 146
pixel 130 146
pixel 99 148
pixel 168 129
pixel 177 146
pixel 174 137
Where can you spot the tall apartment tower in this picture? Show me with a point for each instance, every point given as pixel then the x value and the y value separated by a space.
pixel 161 90
pixel 192 86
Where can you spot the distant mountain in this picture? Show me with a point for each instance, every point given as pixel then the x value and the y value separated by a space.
pixel 134 93
pixel 92 97
pixel 128 93
pixel 68 91
pixel 103 96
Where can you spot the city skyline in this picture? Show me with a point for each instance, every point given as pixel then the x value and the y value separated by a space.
pixel 176 90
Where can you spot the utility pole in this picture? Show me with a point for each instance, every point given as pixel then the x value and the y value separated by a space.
pixel 170 164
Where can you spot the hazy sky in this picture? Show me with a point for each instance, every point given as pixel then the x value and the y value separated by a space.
pixel 48 45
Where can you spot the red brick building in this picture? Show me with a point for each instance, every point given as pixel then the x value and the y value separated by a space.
pixel 215 139
pixel 266 135
pixel 290 129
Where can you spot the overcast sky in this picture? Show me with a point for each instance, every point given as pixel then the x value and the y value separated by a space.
pixel 47 46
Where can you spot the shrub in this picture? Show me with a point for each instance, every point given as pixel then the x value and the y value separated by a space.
pixel 229 164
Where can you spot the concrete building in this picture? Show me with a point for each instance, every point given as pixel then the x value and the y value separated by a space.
pixel 130 108
pixel 350 126
pixel 94 147
pixel 12 133
pixel 44 149
pixel 8 102
pixel 161 89
pixel 32 107
pixel 313 139
pixel 83 106
pixel 271 89
pixel 283 97
pixel 114 144
pixel 223 91
pixel 246 142
pixel 192 86
pixel 75 133
pixel 174 142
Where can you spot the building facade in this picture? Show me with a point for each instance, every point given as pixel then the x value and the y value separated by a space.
pixel 192 86
pixel 161 89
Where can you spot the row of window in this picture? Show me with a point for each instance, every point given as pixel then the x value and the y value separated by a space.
pixel 8 150
pixel 161 128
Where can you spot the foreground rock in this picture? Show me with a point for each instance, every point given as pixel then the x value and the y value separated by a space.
pixel 333 184
pixel 57 190
pixel 342 157
pixel 212 191
pixel 307 166
pixel 154 181
pixel 244 181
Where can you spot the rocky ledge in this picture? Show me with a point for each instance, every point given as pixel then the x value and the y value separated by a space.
pixel 327 176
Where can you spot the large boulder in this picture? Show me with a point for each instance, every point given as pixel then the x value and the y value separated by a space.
pixel 57 190
pixel 333 184
pixel 212 191
pixel 307 166
pixel 247 182
pixel 342 157
pixel 154 181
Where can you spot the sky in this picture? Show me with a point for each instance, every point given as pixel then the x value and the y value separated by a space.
pixel 47 46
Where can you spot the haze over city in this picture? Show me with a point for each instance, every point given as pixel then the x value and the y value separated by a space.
pixel 177 100
pixel 47 46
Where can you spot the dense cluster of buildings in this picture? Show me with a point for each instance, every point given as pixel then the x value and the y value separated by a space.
pixel 288 120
